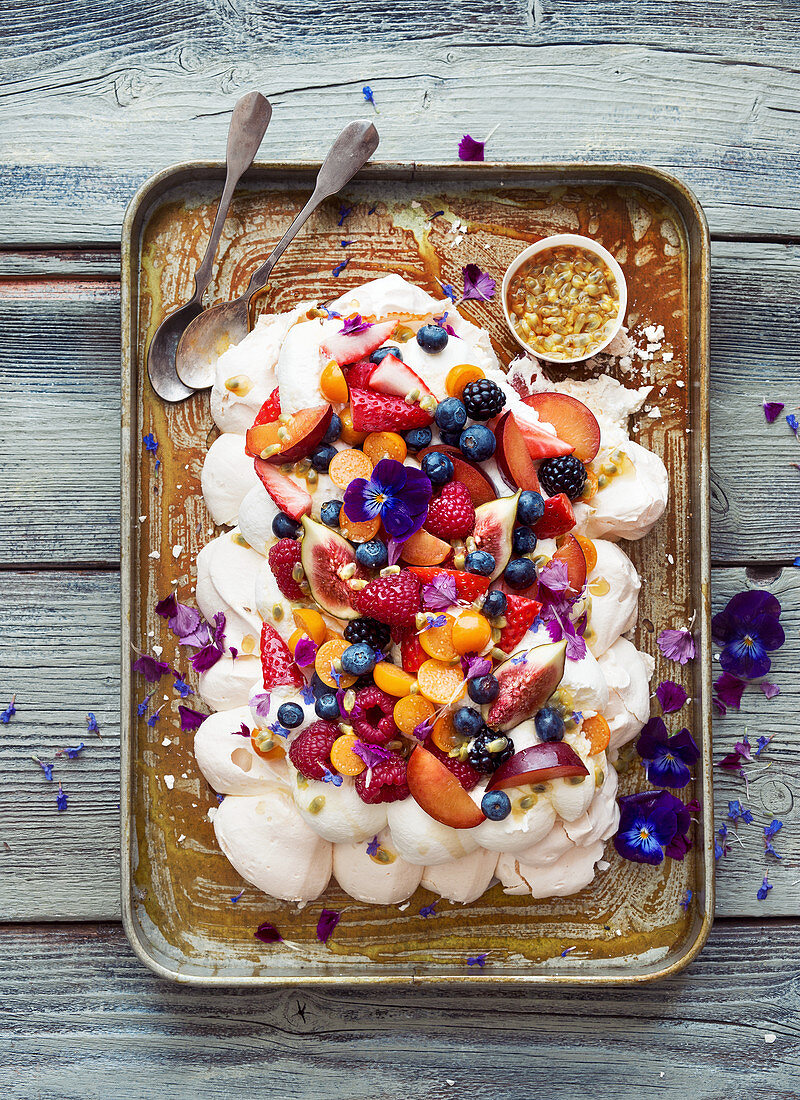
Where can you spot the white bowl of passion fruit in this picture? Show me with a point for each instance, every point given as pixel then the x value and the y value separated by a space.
pixel 564 298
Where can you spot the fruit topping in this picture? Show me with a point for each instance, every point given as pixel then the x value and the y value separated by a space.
pixel 483 689
pixel 327 706
pixel 451 515
pixel 391 678
pixel 290 715
pixel 571 553
pixel 334 429
pixel 330 513
pixel 311 623
pixel 381 353
pixel 422 548
pixel 372 717
pixel 451 415
pixel 385 781
pixel 437 640
pixel 477 443
pixel 589 552
pixel 483 399
pixel 277 665
pixel 347 347
pixel 489 750
pixel 437 790
pixel 381 412
pixel 394 376
pixel 480 485
pixel 328 665
pixel 460 376
pixel 520 613
pixel 558 517
pixel 380 445
pixel 270 410
pixel 467 587
pixel 526 681
pixel 566 474
pixel 280 442
pixel 393 599
pixel 471 632
pixel 573 421
pixel 480 562
pixel 438 467
pixel 359 659
pixel 349 433
pixel 549 724
pixel 327 560
pixel 322 456
pixel 347 465
pixel 372 554
pixel 284 527
pixel 494 524
pixel 496 805
pixel 410 711
pixel 441 682
pixel 495 604
pixel 523 540
pixel 412 655
pixel 367 630
pixel 530 507
pixel 537 764
pixel 540 442
pixel 432 338
pixel 520 573
pixel 418 438
pixel 513 457
pixel 343 758
pixel 359 374
pixel 286 493
pixel 333 384
pixel 467 776
pixel 284 561
pixel 359 531
pixel 597 730
pixel 310 752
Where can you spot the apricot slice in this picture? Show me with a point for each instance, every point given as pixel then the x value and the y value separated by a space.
pixel 434 787
pixel 423 548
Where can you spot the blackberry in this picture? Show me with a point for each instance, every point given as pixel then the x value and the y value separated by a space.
pixel 483 399
pixel 565 474
pixel 486 758
pixel 367 630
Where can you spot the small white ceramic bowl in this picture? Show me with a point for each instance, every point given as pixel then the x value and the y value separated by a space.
pixel 589 245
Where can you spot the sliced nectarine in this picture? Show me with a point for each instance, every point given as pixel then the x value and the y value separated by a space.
pixel 513 457
pixel 423 548
pixel 573 421
pixel 294 439
pixel 480 485
pixel 541 443
pixel 434 787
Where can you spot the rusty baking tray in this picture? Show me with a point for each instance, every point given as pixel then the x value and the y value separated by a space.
pixel 424 221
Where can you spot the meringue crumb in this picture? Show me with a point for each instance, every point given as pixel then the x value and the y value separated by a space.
pixel 166 698
pixel 151 633
pixel 169 782
pixel 654 333
pixel 166 742
pixel 655 413
pixel 603 865
pixel 182 837
pixel 626 362
pixel 177 550
pixel 211 813
pixel 667 357
pixel 449 1080
pixel 142 519
pixel 670 559
pixel 680 384
pixel 179 486
pixel 154 554
pixel 770 1037
pixel 404 906
pixel 158 650
pixel 415 205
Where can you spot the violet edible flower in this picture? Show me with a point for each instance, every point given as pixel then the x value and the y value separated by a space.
pixel 399 494
pixel 371 754
pixel 667 759
pixel 150 668
pixel 470 149
pixel 671 696
pixel 268 933
pixel 440 593
pixel 652 824
pixel 328 919
pixel 772 410
pixel 677 645
pixel 748 629
pixel 728 691
pixel 477 284
pixel 764 889
pixel 190 719
pixel 355 324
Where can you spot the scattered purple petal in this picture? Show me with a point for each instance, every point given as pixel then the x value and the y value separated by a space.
pixel 344 212
pixel 71 753
pixel 772 410
pixel 477 284
pixel 440 593
pixel 331 777
pixel 764 889
pixel 9 712
pixel 61 800
pixel 728 690
pixel 762 743
pixel 671 696
pixel 243 730
pixel 477 960
pixel 770 690
pixel 566 951
pixel 686 901
pixel 154 717
pixel 475 666
pixel 677 645
pixel 369 95
pixel 150 668
pixel 261 703
pixel 328 919
pixel 268 933
pixel 91 724
pixel 373 846
pixel 793 423
pixel 371 754
pixel 720 847
pixel 470 149
pixel 355 324
pixel 181 686
pixel 307 693
pixel 141 708
pixel 190 719
pixel 429 910
pixel 737 812
pixel 305 652
pixel 150 443
pixel 46 768
pixel 339 268
pixel 235 899
pixel 346 244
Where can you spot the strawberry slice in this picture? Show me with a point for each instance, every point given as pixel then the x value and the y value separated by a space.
pixel 277 664
pixel 469 586
pixel 346 348
pixel 270 410
pixel 381 412
pixel 412 655
pixel 558 518
pixel 287 494
pixel 520 613
pixel 540 443
pixel 358 375
pixel 393 376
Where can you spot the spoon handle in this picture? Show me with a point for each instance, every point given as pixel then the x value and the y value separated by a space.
pixel 249 123
pixel 348 154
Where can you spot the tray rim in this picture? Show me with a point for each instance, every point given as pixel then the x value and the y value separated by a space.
pixel 688 205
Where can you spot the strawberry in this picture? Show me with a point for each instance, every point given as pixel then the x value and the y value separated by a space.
pixel 558 517
pixel 277 665
pixel 452 514
pixel 270 410
pixel 520 613
pixel 349 347
pixel 358 375
pixel 393 599
pixel 468 585
pixel 412 655
pixel 393 376
pixel 380 412
pixel 286 493
pixel 282 558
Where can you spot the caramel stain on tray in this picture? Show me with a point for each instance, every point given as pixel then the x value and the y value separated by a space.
pixel 183 884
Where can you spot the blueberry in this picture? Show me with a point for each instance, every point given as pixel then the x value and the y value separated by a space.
pixel 358 659
pixel 480 562
pixel 432 338
pixel 438 467
pixel 530 506
pixel 467 722
pixel 290 715
pixel 549 724
pixel 372 554
pixel 520 572
pixel 452 439
pixel 483 689
pixel 334 430
pixel 496 805
pixel 326 706
pixel 495 604
pixel 381 353
pixel 477 442
pixel 523 540
pixel 451 415
pixel 319 687
pixel 418 438
pixel 284 527
pixel 322 457
pixel 329 513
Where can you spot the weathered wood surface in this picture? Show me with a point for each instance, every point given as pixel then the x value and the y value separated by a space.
pixel 92 110
pixel 59 637
pixel 59 381
pixel 83 1019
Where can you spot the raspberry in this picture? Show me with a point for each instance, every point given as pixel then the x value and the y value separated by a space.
pixel 270 410
pixel 467 776
pixel 282 558
pixel 277 665
pixel 452 514
pixel 372 717
pixel 310 752
pixel 387 782
pixel 519 615
pixel 393 599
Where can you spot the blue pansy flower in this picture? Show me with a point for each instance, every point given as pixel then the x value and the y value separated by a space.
pixel 667 759
pixel 651 825
pixel 399 494
pixel 748 629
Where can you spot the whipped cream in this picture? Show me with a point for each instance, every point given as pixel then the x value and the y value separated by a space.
pixel 382 879
pixel 227 477
pixel 613 587
pixel 627 673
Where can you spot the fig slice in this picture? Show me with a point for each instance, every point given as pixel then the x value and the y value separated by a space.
pixel 527 680
pixel 323 554
pixel 494 527
pixel 434 787
pixel 537 764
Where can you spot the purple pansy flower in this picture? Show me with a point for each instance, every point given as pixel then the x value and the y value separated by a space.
pixel 748 629
pixel 190 719
pixel 355 324
pixel 399 494
pixel 667 759
pixel 470 149
pixel 772 410
pixel 328 919
pixel 652 824
pixel 677 645
pixel 671 696
pixel 477 284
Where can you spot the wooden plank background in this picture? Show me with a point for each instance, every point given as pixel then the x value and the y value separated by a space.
pixel 94 99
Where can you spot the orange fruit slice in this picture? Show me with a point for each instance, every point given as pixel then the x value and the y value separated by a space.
pixel 312 623
pixel 423 548
pixel 410 711
pixel 590 488
pixel 343 758
pixel 440 682
pixel 349 434
pixel 380 445
pixel 596 729
pixel 437 641
pixel 347 465
pixel 328 653
pixel 444 734
pixel 471 632
pixel 589 552
pixel 358 532
pixel 460 376
pixel 294 638
pixel 275 753
pixel 333 384
pixel 393 680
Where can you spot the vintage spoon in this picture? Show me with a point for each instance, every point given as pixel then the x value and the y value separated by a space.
pixel 221 326
pixel 249 122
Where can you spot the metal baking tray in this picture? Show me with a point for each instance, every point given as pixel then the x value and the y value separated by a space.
pixel 425 221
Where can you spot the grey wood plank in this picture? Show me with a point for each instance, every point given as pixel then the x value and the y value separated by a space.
pixel 59 382
pixel 59 636
pixel 83 1019
pixel 91 112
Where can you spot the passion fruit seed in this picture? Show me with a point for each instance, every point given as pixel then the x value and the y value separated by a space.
pixel 389 570
pixel 349 700
pixel 273 449
pixel 277 610
pixel 297 572
pixel 346 571
pixel 316 804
